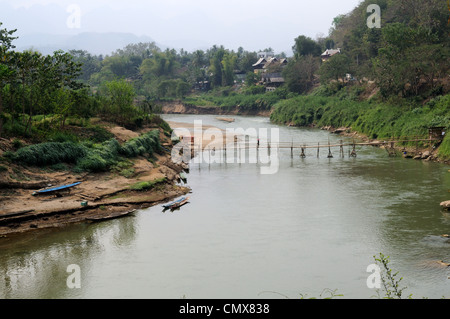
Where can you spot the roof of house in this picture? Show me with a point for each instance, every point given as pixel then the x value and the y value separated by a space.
pixel 261 61
pixel 331 52
pixel 271 61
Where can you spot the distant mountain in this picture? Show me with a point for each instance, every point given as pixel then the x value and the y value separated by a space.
pixel 95 43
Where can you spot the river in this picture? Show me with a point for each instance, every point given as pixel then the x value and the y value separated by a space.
pixel 315 224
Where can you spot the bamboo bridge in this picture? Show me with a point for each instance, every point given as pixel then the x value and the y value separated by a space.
pixel 389 145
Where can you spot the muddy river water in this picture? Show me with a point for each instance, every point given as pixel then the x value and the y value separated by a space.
pixel 314 224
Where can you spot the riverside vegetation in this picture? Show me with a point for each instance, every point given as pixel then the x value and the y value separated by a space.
pixel 386 82
pixel 398 83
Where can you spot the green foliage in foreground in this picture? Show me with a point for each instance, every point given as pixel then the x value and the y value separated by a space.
pixel 87 156
pixel 389 279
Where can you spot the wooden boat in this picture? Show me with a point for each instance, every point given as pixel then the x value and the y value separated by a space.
pixel 55 189
pixel 111 216
pixel 225 119
pixel 177 204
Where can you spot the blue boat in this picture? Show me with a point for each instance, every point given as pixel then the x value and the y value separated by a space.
pixel 54 189
pixel 182 201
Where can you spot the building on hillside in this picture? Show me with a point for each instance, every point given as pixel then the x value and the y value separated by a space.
pixel 258 67
pixel 272 81
pixel 203 86
pixel 437 132
pixel 239 76
pixel 329 53
pixel 268 65
pixel 270 71
pixel 274 63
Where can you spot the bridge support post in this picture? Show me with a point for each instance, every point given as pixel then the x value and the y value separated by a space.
pixel 303 155
pixel 329 150
pixel 353 152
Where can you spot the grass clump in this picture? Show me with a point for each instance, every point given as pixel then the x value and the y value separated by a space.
pixel 147 143
pixel 124 168
pixel 145 186
pixel 100 157
pixel 49 153
pixel 99 134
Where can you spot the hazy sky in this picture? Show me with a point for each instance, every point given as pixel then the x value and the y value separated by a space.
pixel 252 24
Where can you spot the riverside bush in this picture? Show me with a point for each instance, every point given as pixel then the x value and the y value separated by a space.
pixel 145 186
pixel 50 153
pixel 146 143
pixel 87 156
pixel 100 157
pixel 375 119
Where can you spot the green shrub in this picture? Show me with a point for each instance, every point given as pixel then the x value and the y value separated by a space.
pixel 147 143
pixel 444 149
pixel 99 134
pixel 87 156
pixel 17 143
pixel 101 157
pixel 144 186
pixel 62 137
pixel 50 153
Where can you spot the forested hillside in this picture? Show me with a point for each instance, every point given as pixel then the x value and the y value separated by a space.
pixel 409 55
pixel 404 64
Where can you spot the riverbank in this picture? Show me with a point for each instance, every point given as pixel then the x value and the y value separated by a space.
pixel 179 107
pixel 100 196
pixel 346 118
pixel 424 152
pixel 371 120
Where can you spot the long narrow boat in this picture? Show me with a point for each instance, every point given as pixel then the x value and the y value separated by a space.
pixel 54 189
pixel 176 204
pixel 101 218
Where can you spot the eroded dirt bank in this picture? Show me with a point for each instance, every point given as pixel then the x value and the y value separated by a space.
pixel 177 107
pixel 99 196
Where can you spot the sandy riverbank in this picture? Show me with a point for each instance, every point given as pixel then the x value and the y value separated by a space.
pixel 178 107
pixel 107 194
pixel 210 135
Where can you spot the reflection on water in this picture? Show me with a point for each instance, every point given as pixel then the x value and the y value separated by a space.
pixel 35 265
pixel 315 224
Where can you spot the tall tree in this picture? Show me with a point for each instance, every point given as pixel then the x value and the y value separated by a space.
pixel 335 68
pixel 300 74
pixel 6 69
pixel 305 46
